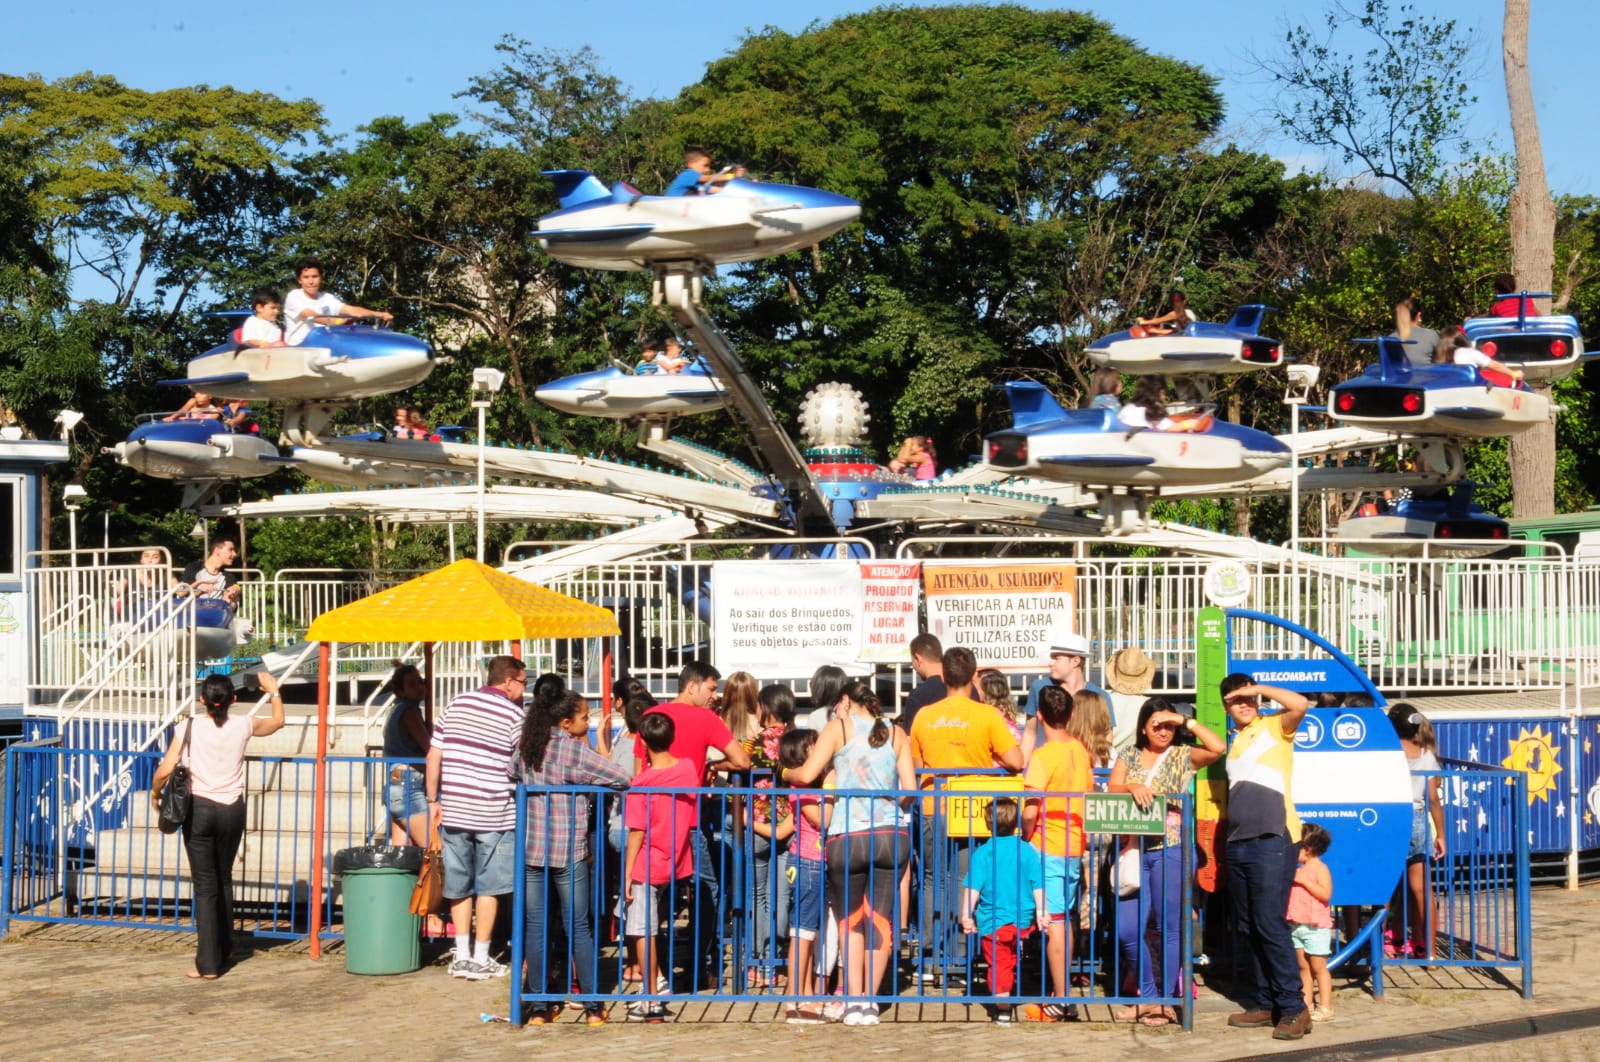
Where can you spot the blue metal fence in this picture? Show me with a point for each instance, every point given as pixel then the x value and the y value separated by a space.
pixel 735 938
pixel 1474 904
pixel 716 941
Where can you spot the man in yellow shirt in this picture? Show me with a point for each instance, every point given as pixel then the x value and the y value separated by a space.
pixel 1264 849
pixel 949 737
pixel 1055 826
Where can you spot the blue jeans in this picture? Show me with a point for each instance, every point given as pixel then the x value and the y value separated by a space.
pixel 1260 875
pixel 1160 893
pixel 567 887
pixel 771 888
pixel 944 868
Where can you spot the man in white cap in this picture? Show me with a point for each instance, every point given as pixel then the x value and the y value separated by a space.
pixel 1069 669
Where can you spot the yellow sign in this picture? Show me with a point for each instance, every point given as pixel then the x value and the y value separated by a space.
pixel 966 813
pixel 1534 754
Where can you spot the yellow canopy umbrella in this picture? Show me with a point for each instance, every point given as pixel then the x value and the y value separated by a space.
pixel 465 602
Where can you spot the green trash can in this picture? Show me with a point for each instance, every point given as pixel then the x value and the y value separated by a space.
pixel 381 935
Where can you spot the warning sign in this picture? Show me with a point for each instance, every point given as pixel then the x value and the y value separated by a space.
pixel 1006 614
pixel 888 610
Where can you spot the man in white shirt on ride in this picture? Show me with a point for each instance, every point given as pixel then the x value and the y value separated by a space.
pixel 302 306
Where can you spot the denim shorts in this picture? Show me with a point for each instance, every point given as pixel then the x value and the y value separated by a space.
pixel 1061 878
pixel 1313 940
pixel 1419 837
pixel 810 885
pixel 403 795
pixel 478 862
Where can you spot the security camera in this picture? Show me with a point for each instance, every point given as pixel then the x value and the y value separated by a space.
pixel 487 381
pixel 1302 378
pixel 1304 375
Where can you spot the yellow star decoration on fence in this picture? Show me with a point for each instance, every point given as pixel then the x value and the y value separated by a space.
pixel 1534 754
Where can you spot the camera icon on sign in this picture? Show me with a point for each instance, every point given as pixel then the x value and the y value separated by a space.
pixel 1349 731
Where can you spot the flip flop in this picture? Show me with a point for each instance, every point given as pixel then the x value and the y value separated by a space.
pixel 1154 1020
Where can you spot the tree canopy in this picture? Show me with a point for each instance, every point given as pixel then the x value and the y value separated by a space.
pixel 1028 180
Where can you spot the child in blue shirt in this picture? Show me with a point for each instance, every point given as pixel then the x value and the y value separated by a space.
pixel 1003 899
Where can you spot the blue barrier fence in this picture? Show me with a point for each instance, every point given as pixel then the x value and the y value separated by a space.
pixel 1469 908
pixel 95 857
pixel 739 920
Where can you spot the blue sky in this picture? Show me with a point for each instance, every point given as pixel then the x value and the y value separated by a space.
pixel 361 59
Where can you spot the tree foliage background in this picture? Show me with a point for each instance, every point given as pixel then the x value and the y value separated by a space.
pixel 1028 180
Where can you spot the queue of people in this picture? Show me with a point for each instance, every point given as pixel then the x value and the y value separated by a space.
pixel 834 812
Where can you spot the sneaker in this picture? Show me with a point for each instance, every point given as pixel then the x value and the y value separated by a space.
pixel 491 968
pixel 1002 1016
pixel 1293 1026
pixel 467 970
pixel 663 985
pixel 833 1011
pixel 544 1014
pixel 594 1016
pixel 857 1016
pixel 1322 1014
pixel 653 1013
pixel 1250 1019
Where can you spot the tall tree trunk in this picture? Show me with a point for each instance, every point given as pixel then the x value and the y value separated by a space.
pixel 1532 455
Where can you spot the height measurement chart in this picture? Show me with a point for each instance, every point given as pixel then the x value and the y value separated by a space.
pixel 1005 615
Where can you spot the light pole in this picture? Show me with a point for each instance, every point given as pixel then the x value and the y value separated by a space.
pixel 1302 378
pixel 485 384
pixel 73 496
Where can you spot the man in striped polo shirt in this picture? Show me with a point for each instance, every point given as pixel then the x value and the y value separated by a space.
pixel 1264 849
pixel 471 799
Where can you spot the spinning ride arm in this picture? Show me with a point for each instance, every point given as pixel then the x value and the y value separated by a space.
pixel 677 284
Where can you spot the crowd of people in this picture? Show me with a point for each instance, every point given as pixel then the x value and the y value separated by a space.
pixel 811 826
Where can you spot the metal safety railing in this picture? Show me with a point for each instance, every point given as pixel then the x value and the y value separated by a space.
pixel 855 917
pixel 1462 901
pixel 733 922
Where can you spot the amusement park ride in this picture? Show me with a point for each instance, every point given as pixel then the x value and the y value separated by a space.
pixel 1043 473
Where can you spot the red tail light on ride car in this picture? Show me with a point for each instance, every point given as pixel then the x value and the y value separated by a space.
pixel 1558 348
pixel 1411 402
pixel 1446 531
pixel 1008 451
pixel 1499 531
pixel 1346 402
pixel 1490 347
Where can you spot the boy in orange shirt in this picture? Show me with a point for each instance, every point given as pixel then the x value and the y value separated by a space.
pixel 1055 825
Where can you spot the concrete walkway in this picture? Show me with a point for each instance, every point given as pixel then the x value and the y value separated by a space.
pixel 86 993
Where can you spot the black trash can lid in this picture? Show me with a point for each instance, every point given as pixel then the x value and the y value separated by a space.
pixel 378 857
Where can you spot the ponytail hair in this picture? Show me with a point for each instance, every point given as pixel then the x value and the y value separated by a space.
pixel 1426 740
pixel 217 694
pixel 543 715
pixel 861 694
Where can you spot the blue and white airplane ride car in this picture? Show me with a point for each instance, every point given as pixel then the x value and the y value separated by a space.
pixel 336 363
pixel 744 220
pixel 1201 346
pixel 1438 400
pixel 1545 348
pixel 621 394
pixel 195 450
pixel 1093 448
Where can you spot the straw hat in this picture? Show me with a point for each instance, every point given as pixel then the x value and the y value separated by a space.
pixel 1130 671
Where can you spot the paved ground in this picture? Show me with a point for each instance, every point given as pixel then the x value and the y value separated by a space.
pixel 84 993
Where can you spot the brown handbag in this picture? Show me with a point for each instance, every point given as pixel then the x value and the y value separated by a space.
pixel 428 897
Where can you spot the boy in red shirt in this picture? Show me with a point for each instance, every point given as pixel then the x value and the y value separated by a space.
pixel 658 853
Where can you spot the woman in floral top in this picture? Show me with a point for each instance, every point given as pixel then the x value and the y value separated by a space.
pixel 1158 765
pixel 772 824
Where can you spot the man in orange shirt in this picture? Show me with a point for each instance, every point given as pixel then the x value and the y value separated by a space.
pixel 1055 826
pixel 951 736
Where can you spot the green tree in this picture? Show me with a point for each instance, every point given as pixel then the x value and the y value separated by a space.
pixel 982 143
